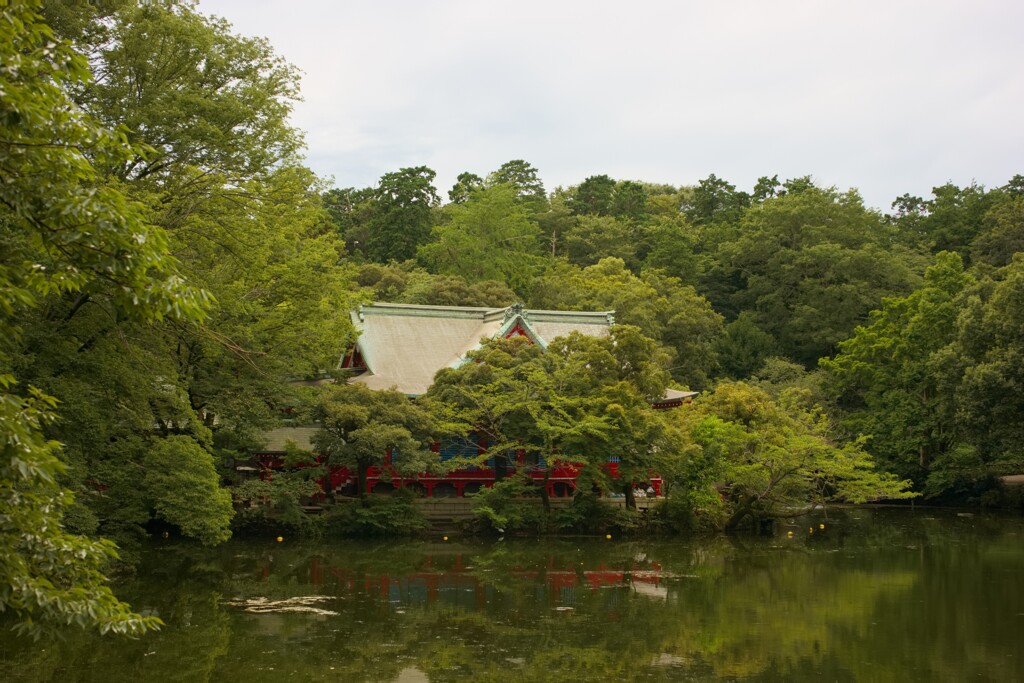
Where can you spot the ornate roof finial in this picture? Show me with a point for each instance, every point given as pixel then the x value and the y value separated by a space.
pixel 513 310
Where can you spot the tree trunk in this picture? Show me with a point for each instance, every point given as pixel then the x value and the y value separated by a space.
pixel 742 512
pixel 361 476
pixel 544 497
pixel 328 484
pixel 500 466
pixel 630 498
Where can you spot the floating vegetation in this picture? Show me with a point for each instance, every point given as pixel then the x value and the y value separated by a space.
pixel 302 603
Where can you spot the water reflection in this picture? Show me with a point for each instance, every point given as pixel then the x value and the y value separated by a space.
pixel 890 595
pixel 450 578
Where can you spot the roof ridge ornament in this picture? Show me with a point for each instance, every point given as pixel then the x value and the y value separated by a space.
pixel 512 311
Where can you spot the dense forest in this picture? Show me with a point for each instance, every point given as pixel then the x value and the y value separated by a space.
pixel 168 265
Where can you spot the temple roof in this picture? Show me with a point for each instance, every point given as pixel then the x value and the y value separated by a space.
pixel 276 440
pixel 403 345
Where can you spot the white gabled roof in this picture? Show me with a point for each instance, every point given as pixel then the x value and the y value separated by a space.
pixel 276 440
pixel 404 345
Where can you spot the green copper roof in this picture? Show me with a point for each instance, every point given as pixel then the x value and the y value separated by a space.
pixel 405 345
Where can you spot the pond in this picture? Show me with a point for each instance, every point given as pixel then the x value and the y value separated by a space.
pixel 862 595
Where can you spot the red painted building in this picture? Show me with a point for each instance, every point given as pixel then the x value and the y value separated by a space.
pixel 403 346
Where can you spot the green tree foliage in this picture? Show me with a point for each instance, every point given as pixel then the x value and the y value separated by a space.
pixel 886 373
pixel 772 458
pixel 63 232
pixel 524 180
pixel 602 196
pixel 279 285
pixel 402 216
pixel 744 347
pixel 222 176
pixel 593 238
pixel 669 243
pixel 982 371
pixel 407 284
pixel 661 306
pixel 510 506
pixel 1002 233
pixel 578 402
pixel 766 188
pixel 949 221
pixel 350 211
pixel 595 195
pixel 48 577
pixel 362 428
pixel 715 201
pixel 271 503
pixel 617 378
pixel 810 265
pixel 778 375
pixel 489 237
pixel 182 482
pixel 158 65
pixel 464 186
pixel 393 515
pixel 502 395
pixel 934 379
pixel 630 200
pixel 555 222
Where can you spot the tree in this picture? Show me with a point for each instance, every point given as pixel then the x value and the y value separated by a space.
pixel 487 238
pixel 981 372
pixel 361 428
pixel 630 200
pixel 502 396
pixel 744 347
pixel 578 402
pixel 402 219
pixel 1002 234
pixel 595 195
pixel 949 221
pixel 556 221
pixel 522 177
pixel 669 244
pixel 810 266
pixel 350 210
pixel 182 482
pixel 63 231
pixel 594 238
pixel 465 185
pixel 661 306
pixel 798 185
pixel 714 200
pixel 278 277
pixel 246 223
pixel 614 380
pixel 407 285
pixel 886 379
pixel 775 458
pixel 210 106
pixel 766 188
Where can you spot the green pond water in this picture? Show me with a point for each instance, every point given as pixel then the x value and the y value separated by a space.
pixel 877 595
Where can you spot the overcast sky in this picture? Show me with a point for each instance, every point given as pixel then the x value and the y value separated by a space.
pixel 885 96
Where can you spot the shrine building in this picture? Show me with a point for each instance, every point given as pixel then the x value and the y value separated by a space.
pixel 402 346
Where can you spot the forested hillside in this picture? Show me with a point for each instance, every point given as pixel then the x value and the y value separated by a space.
pixel 904 325
pixel 168 264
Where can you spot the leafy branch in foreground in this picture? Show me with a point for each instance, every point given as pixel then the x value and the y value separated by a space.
pixel 48 576
pixel 61 231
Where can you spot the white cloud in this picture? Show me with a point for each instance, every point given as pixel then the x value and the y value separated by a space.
pixel 890 97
